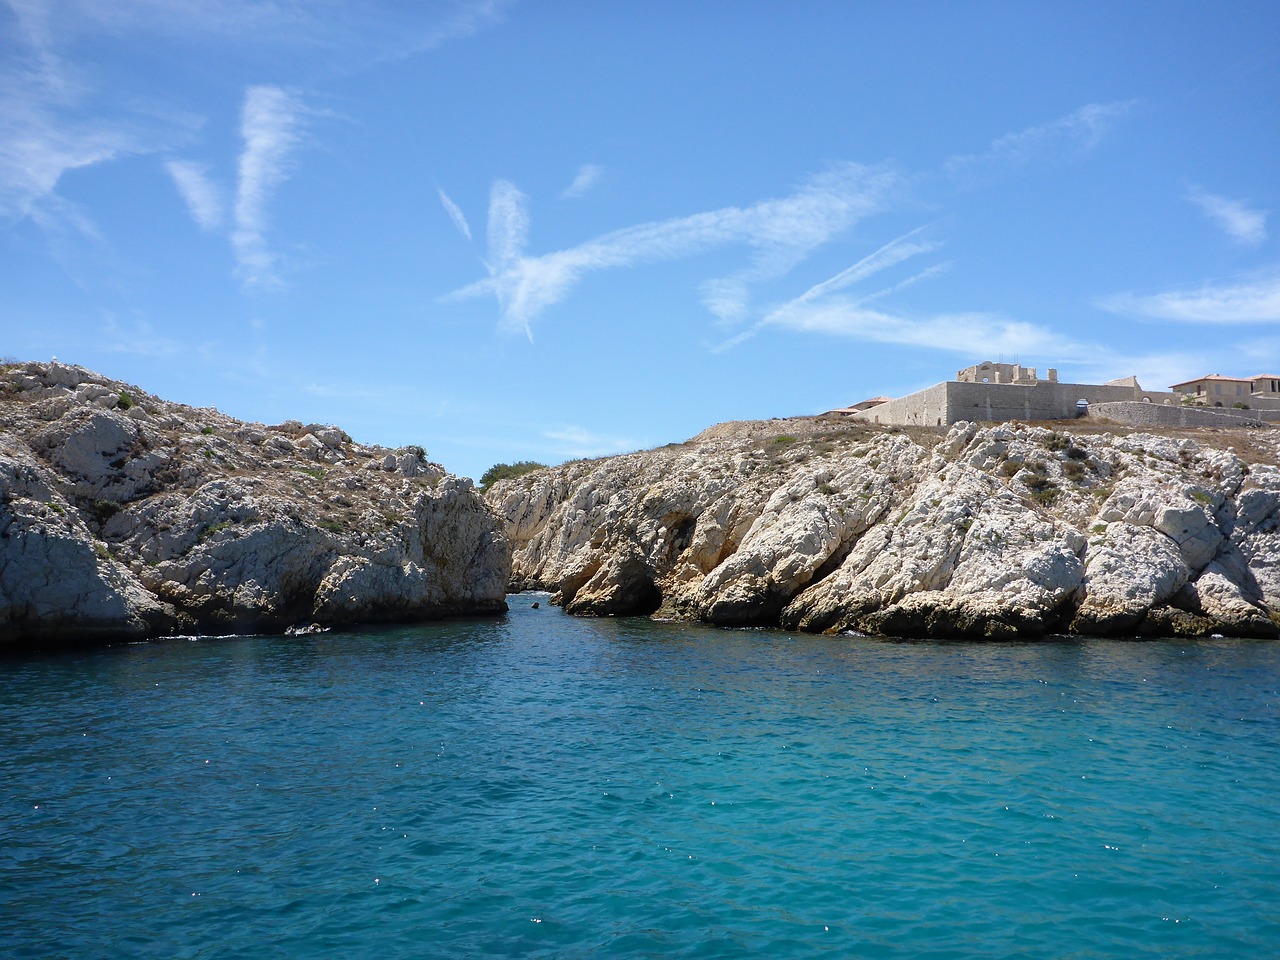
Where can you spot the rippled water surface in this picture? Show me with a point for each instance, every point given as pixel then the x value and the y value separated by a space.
pixel 543 786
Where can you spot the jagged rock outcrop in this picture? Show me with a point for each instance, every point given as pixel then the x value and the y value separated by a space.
pixel 125 516
pixel 1004 531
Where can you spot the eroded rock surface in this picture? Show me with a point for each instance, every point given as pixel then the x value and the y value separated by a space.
pixel 1004 531
pixel 125 516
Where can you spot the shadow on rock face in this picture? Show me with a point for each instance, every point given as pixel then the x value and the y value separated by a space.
pixel 622 587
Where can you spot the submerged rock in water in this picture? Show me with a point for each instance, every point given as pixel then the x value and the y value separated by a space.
pixel 126 516
pixel 1003 531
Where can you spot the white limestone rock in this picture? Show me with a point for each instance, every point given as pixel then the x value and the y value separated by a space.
pixel 114 526
pixel 997 531
pixel 56 578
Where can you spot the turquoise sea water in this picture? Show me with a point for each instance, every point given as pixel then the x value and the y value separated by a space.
pixel 549 787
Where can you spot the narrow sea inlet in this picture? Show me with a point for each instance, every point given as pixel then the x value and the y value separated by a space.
pixel 543 786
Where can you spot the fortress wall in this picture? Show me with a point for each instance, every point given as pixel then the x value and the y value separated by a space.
pixel 1038 401
pixel 1158 415
pixel 1257 403
pixel 927 408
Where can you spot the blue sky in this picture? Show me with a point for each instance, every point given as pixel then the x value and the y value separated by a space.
pixel 509 230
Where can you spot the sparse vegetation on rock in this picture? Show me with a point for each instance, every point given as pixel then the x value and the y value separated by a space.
pixel 123 515
pixel 507 471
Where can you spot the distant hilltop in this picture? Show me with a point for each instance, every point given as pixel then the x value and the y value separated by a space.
pixel 996 392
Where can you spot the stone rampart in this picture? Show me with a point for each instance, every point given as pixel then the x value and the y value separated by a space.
pixel 1160 415
pixel 1036 401
pixel 926 408
pixel 945 403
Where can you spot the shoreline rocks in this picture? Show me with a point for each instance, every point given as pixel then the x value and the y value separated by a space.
pixel 1002 531
pixel 124 516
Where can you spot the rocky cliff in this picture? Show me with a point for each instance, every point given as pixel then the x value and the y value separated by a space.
pixel 123 515
pixel 1004 531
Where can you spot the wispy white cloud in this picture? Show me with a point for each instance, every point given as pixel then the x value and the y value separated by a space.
pixel 455 214
pixel 1255 300
pixel 203 197
pixel 271 127
pixel 589 174
pixel 335 34
pixel 1076 133
pixel 51 121
pixel 926 274
pixel 728 299
pixel 970 333
pixel 779 233
pixel 36 151
pixel 818 309
pixel 890 254
pixel 41 139
pixel 1240 223
pixel 59 111
pixel 508 226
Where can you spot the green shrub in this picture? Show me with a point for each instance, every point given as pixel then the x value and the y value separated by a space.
pixel 125 401
pixel 1043 490
pixel 104 510
pixel 206 430
pixel 1045 496
pixel 212 529
pixel 505 471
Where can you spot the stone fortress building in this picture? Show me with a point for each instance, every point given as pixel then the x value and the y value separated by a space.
pixel 992 391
